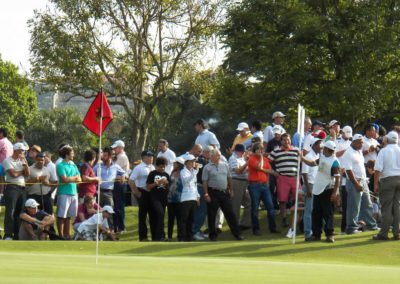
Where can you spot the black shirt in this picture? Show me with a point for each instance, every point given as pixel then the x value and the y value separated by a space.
pixel 154 176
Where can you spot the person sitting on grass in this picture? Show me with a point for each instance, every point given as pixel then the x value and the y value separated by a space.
pixel 35 224
pixel 87 230
pixel 85 211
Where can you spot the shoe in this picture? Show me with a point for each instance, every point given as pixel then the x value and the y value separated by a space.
pixel 239 238
pixel 330 239
pixel 8 239
pixel 312 239
pixel 257 233
pixel 198 237
pixel 244 228
pixel 379 238
pixel 353 232
pixel 290 233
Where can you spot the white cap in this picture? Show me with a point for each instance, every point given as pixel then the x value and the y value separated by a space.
pixel 357 137
pixel 393 136
pixel 31 203
pixel 108 209
pixel 277 114
pixel 314 140
pixel 347 131
pixel 19 146
pixel 277 129
pixel 118 143
pixel 180 160
pixel 189 157
pixel 242 126
pixel 330 145
pixel 333 122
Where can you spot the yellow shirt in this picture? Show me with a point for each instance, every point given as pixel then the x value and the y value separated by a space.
pixel 240 140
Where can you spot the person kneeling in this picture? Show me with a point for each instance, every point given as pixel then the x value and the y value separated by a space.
pixel 35 224
pixel 87 230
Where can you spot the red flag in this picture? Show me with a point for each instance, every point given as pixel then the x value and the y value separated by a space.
pixel 92 118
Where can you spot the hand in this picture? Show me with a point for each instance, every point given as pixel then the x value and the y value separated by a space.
pixel 376 188
pixel 372 148
pixel 309 193
pixel 359 187
pixel 274 173
pixel 334 197
pixel 138 194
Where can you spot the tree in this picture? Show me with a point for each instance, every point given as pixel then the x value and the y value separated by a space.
pixel 133 48
pixel 338 58
pixel 18 102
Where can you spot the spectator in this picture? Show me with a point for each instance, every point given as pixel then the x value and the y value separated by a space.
pixel 307 130
pixel 370 146
pixel 19 137
pixel 16 168
pixel 167 153
pixel 89 178
pixel 387 185
pixel 86 210
pixel 33 151
pixel 6 147
pixel 137 183
pixel 334 131
pixel 34 224
pixel 275 143
pixel 158 182
pixel 256 131
pixel 205 137
pixel 317 130
pixel 243 136
pixel 67 197
pixel 174 195
pixel 278 118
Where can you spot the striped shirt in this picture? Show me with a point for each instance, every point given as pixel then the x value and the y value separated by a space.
pixel 285 161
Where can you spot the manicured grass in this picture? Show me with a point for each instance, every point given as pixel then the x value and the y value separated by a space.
pixel 268 258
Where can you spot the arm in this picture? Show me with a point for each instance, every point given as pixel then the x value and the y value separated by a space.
pixel 134 189
pixel 377 176
pixel 352 178
pixel 230 188
pixel 205 189
pixel 308 186
pixel 335 193
pixel 308 162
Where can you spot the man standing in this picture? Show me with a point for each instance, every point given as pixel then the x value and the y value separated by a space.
pixel 278 118
pixel 16 168
pixel 89 178
pixel 317 130
pixel 167 153
pixel 6 147
pixel 359 205
pixel 256 132
pixel 296 136
pixel 205 137
pixel 387 184
pixel 370 145
pixel 243 136
pixel 217 185
pixel 137 183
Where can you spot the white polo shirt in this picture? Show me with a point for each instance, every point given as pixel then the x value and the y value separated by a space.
pixel 388 161
pixel 123 162
pixel 368 142
pixel 354 160
pixel 16 165
pixel 140 173
pixel 310 171
pixel 170 156
pixel 207 138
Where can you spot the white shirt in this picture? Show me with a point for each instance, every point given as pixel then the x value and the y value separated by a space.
pixel 123 162
pixel 189 184
pixel 37 188
pixel 342 144
pixel 354 160
pixel 307 142
pixel 170 156
pixel 91 223
pixel 140 173
pixel 234 163
pixel 53 171
pixel 268 134
pixel 368 142
pixel 388 161
pixel 310 171
pixel 207 138
pixel 16 165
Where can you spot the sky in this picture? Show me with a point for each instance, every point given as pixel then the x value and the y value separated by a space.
pixel 14 34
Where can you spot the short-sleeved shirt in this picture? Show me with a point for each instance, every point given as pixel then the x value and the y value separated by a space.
pixel 68 169
pixel 123 162
pixel 272 145
pixel 91 223
pixel 6 149
pixel 216 175
pixel 388 161
pixel 39 215
pixel 310 171
pixel 368 142
pixel 354 160
pixel 155 176
pixel 207 138
pixel 239 139
pixel 285 161
pixel 87 188
pixel 256 175
pixel 109 174
pixel 140 173
pixel 16 165
pixel 83 209
pixel 37 188
pixel 268 134
pixel 170 156
pixel 234 163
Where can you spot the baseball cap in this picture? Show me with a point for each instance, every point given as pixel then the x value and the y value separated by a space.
pixel 108 209
pixel 277 114
pixel 318 122
pixel 392 136
pixel 277 129
pixel 357 137
pixel 242 126
pixel 239 148
pixel 347 131
pixel 319 134
pixel 330 145
pixel 118 143
pixel 333 122
pixel 20 146
pixel 147 153
pixel 31 203
pixel 180 160
pixel 189 157
pixel 314 140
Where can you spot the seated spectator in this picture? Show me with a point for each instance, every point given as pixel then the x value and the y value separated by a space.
pixel 34 224
pixel 87 230
pixel 85 211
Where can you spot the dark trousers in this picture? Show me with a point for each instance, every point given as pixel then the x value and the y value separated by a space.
pixel 323 210
pixel 343 196
pixel 145 209
pixel 106 198
pixel 119 206
pixel 14 199
pixel 187 210
pixel 260 192
pixel 45 202
pixel 173 213
pixel 158 205
pixel 273 189
pixel 221 199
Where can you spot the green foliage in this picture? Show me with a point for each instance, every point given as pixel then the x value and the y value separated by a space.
pixel 338 58
pixel 18 102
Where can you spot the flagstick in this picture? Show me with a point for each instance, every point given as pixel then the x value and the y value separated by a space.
pixel 99 176
pixel 300 129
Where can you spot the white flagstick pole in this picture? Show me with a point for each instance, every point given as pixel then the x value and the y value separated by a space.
pixel 300 129
pixel 99 176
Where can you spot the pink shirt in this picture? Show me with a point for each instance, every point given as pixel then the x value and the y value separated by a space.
pixel 6 149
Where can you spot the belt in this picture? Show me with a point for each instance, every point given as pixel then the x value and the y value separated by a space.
pixel 242 179
pixel 216 189
pixel 257 182
pixel 105 190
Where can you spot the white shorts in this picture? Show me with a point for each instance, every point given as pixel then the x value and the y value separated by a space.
pixel 67 206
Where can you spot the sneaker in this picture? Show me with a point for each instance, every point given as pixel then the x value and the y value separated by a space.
pixel 380 238
pixel 198 237
pixel 330 239
pixel 8 239
pixel 312 239
pixel 353 232
pixel 290 233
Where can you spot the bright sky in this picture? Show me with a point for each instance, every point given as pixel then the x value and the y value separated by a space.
pixel 14 34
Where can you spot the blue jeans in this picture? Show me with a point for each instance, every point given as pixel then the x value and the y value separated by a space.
pixel 201 211
pixel 359 207
pixel 260 192
pixel 307 215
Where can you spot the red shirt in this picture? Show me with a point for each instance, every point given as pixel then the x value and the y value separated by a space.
pixel 254 174
pixel 87 188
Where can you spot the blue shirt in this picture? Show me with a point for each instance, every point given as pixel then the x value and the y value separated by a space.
pixel 207 138
pixel 109 174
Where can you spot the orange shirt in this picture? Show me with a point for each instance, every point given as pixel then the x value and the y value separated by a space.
pixel 254 174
